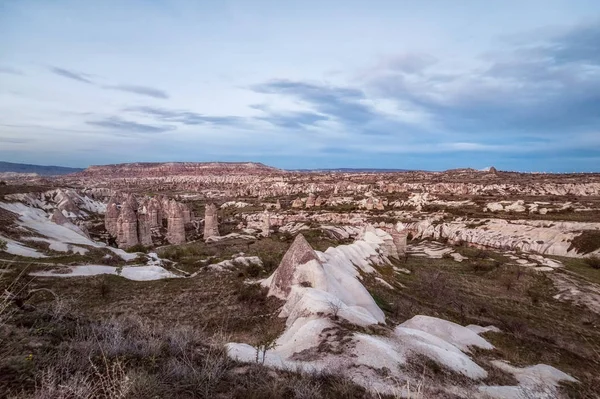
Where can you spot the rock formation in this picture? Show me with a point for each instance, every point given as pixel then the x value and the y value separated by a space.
pixel 134 223
pixel 144 232
pixel 110 219
pixel 297 203
pixel 127 226
pixel 278 204
pixel 266 224
pixel 176 222
pixel 211 222
pixel 289 270
pixel 399 238
pixel 310 201
pixel 319 201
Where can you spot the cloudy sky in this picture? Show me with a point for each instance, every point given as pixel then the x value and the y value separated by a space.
pixel 432 84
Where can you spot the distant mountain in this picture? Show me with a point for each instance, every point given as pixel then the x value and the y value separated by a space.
pixel 353 170
pixel 39 169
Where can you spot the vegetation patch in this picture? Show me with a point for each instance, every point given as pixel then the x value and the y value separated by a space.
pixel 588 241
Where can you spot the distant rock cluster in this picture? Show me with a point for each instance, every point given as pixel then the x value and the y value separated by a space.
pixel 132 223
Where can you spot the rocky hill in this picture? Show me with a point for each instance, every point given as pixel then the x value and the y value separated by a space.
pixel 154 169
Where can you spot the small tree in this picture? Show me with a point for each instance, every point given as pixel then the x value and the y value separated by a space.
pixel 3 245
pixel 335 305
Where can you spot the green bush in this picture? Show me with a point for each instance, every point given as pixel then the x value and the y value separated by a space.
pixel 2 245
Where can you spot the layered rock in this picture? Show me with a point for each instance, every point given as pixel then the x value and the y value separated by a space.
pixel 211 222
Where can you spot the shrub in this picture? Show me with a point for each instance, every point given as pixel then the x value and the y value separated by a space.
pixel 593 261
pixel 252 293
pixel 2 245
pixel 253 270
pixel 588 241
pixel 137 248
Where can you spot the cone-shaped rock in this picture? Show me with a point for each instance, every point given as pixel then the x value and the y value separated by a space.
pixel 287 273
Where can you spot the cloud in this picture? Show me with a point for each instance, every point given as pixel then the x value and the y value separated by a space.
pixel 69 74
pixel 550 87
pixel 409 63
pixel 85 78
pixel 343 104
pixel 187 117
pixel 121 125
pixel 141 90
pixel 10 70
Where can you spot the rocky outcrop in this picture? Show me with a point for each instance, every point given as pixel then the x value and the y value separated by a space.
pixel 176 222
pixel 211 222
pixel 110 219
pixel 297 203
pixel 266 224
pixel 133 223
pixel 543 237
pixel 59 218
pixel 144 230
pixel 400 238
pixel 127 226
pixel 310 201
pixel 288 272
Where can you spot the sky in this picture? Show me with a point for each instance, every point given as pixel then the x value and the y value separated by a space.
pixel 430 85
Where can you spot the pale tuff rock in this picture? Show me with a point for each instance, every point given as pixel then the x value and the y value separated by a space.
pixel 369 204
pixel 211 222
pixel 543 237
pixel 144 232
pixel 319 201
pixel 59 218
pixel 127 229
pixel 154 213
pixel 266 220
pixel 134 222
pixel 110 219
pixel 278 205
pixel 399 242
pixel 297 203
pixel 176 223
pixel 286 275
pixel 310 201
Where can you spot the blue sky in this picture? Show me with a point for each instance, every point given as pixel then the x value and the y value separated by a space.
pixel 303 84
